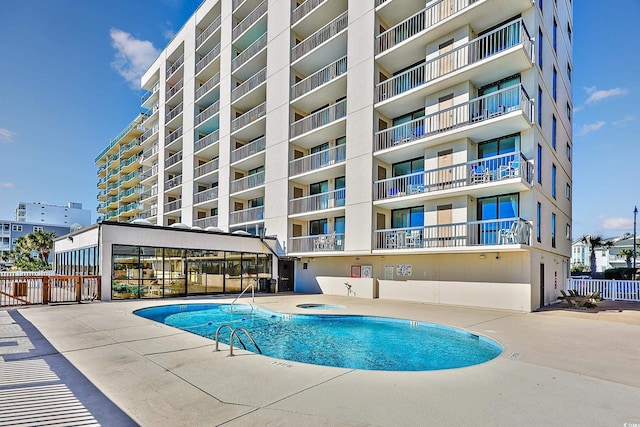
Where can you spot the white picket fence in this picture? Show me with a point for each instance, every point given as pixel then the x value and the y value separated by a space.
pixel 27 273
pixel 616 290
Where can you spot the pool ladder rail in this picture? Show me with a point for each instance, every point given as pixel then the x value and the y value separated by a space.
pixel 253 296
pixel 234 333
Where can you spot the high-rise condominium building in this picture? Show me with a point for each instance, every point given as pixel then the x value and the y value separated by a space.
pixel 70 215
pixel 426 145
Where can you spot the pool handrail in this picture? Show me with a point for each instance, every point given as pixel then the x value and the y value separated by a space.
pixel 242 293
pixel 224 325
pixel 234 332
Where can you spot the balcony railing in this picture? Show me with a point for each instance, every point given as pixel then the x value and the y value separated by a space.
pixel 247 215
pixel 149 193
pixel 207 140
pixel 248 117
pixel 129 146
pixel 434 13
pixel 249 52
pixel 476 172
pixel 173 182
pixel 210 221
pixel 129 177
pixel 249 181
pixel 211 28
pixel 248 85
pixel 210 166
pixel 206 60
pixel 319 78
pixel 302 10
pixel 210 111
pixel 318 160
pixel 133 206
pixel 248 21
pixel 150 152
pixel 173 112
pixel 319 118
pixel 319 37
pixel 379 2
pixel 175 88
pixel 248 149
pixel 172 160
pixel 317 202
pixel 208 85
pixel 174 67
pixel 173 206
pixel 206 195
pixel 174 135
pixel 128 162
pixel 149 133
pixel 151 92
pixel 148 173
pixel 486 107
pixel 511 231
pixel 317 243
pixel 149 213
pixel 489 45
pixel 236 3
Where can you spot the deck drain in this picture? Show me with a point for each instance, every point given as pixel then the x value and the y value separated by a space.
pixel 515 355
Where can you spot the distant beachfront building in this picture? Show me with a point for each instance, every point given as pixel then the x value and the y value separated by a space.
pixel 11 230
pixel 41 213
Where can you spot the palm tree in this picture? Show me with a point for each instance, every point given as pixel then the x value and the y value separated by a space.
pixel 595 242
pixel 42 242
pixel 20 254
pixel 627 253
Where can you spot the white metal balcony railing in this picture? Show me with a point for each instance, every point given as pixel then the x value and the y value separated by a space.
pixel 317 243
pixel 379 2
pixel 211 28
pixel 173 113
pixel 206 195
pixel 204 169
pixel 476 50
pixel 486 107
pixel 249 20
pixel 319 78
pixel 319 160
pixel 248 117
pixel 320 118
pixel 148 173
pixel 150 152
pixel 475 172
pixel 248 149
pixel 173 136
pixel 173 159
pixel 173 206
pixel 236 3
pixel 317 202
pixel 210 221
pixel 207 140
pixel 247 215
pixel 301 11
pixel 511 231
pixel 248 85
pixel 149 133
pixel 208 85
pixel 175 88
pixel 247 182
pixel 208 112
pixel 149 93
pixel 431 15
pixel 173 182
pixel 149 193
pixel 249 52
pixel 319 37
pixel 206 59
pixel 149 213
pixel 174 67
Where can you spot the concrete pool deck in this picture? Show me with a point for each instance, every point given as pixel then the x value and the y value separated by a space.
pixel 559 367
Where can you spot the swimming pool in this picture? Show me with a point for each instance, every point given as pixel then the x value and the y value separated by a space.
pixel 356 342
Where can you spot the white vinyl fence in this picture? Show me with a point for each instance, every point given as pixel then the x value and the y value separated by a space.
pixel 616 290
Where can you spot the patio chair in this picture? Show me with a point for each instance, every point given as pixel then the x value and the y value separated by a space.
pixel 510 235
pixel 478 174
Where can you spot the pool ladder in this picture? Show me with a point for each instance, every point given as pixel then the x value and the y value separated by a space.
pixel 234 333
pixel 253 296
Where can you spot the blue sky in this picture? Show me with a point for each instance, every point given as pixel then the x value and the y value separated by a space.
pixel 70 70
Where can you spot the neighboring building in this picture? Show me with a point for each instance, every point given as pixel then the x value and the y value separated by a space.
pixel 606 258
pixel 11 230
pixel 424 146
pixel 616 259
pixel 42 213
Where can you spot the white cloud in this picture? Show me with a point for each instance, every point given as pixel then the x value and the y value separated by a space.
pixel 591 127
pixel 133 57
pixel 617 223
pixel 6 135
pixel 7 185
pixel 599 95
pixel 624 120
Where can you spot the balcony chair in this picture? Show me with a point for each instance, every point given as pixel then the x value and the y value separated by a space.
pixel 510 235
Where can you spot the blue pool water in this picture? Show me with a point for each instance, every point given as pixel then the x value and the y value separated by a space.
pixel 356 342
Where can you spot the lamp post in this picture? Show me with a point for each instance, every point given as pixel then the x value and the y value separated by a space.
pixel 635 214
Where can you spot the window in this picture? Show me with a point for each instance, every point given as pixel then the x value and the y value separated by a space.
pixel 569 32
pixel 568 232
pixel 554 172
pixel 539 164
pixel 538 220
pixel 569 111
pixel 504 207
pixel 568 151
pixel 16 227
pixel 540 5
pixel 569 71
pixel 496 147
pixel 540 44
pixel 37 228
pixel 318 226
pixel 554 128
pixel 539 106
pixel 555 84
pixel 409 217
pixel 553 230
pixel 568 192
pixel 555 34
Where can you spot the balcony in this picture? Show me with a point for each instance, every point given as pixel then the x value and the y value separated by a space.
pixel 512 233
pixel 210 221
pixel 207 113
pixel 248 150
pixel 250 52
pixel 318 82
pixel 148 173
pixel 320 120
pixel 317 202
pixel 132 208
pixel 502 52
pixel 130 164
pixel 316 161
pixel 173 136
pixel 317 243
pixel 207 59
pixel 250 20
pixel 172 206
pixel 207 141
pixel 207 86
pixel 211 28
pixel 247 182
pixel 249 117
pixel 174 89
pixel 320 41
pixel 506 173
pixel 304 9
pixel 510 107
pixel 206 195
pixel 247 215
pixel 130 179
pixel 147 194
pixel 175 66
pixel 149 213
pixel 149 133
pixel 173 182
pixel 149 153
pixel 210 166
pixel 172 160
pixel 150 96
pixel 173 113
pixel 247 86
